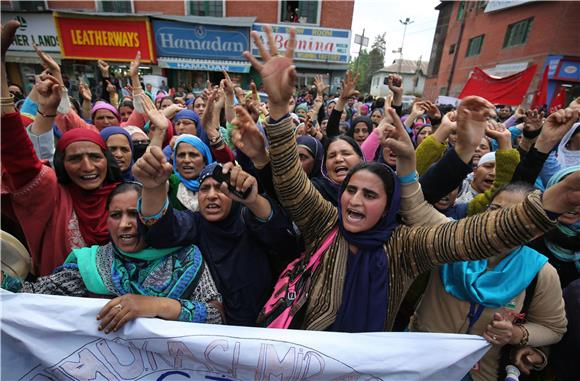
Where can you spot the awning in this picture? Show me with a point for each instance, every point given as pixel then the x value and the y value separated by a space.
pixel 204 65
pixel 29 57
pixel 320 65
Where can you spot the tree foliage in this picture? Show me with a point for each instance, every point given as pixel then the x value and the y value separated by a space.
pixel 368 63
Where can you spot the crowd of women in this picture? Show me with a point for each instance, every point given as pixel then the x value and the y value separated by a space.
pixel 309 212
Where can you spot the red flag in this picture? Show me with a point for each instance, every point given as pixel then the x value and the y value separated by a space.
pixel 541 95
pixel 507 90
pixel 559 99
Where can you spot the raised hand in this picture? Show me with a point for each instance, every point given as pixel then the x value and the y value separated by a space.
pixel 278 72
pixel 472 116
pixel 497 131
pixel 227 84
pixel 134 66
pixel 400 143
pixel 110 87
pixel 240 180
pixel 158 121
pixel 432 110
pixel 419 108
pixel 85 92
pixel 395 83
pixel 447 126
pixel 152 169
pixel 48 89
pixel 171 110
pixel 49 63
pixel 575 104
pixel 248 138
pixel 533 121
pixel 555 127
pixel 348 86
pixel 320 85
pixel 8 33
pixel 104 67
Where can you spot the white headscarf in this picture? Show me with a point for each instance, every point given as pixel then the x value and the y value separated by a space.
pixel 566 157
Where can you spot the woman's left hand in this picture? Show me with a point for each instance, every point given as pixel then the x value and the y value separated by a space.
pixel 127 307
pixel 242 181
pixel 400 143
pixel 499 331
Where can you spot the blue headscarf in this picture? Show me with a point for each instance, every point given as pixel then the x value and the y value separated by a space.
pixel 365 296
pixel 315 148
pixel 195 142
pixel 192 115
pixel 106 133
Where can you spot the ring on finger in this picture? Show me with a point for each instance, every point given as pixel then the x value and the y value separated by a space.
pixel 120 307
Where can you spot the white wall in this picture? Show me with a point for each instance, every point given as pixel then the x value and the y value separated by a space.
pixel 378 89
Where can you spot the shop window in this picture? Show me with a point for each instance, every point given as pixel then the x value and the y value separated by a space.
pixel 117 6
pixel 302 12
pixel 23 5
pixel 206 8
pixel 474 47
pixel 452 49
pixel 517 34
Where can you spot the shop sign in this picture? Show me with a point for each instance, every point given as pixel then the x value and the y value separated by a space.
pixel 111 39
pixel 312 44
pixel 498 5
pixel 185 40
pixel 204 66
pixel 35 28
pixel 568 71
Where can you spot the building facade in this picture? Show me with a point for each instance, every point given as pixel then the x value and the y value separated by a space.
pixel 412 72
pixel 504 38
pixel 187 42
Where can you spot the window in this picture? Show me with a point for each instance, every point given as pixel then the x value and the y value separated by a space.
pixel 303 12
pixel 474 47
pixel 24 5
pixel 517 34
pixel 117 6
pixel 460 10
pixel 214 8
pixel 452 49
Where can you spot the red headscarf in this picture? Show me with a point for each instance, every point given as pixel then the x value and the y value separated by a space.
pixel 89 206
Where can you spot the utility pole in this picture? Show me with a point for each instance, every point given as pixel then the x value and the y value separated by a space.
pixel 405 23
pixel 361 41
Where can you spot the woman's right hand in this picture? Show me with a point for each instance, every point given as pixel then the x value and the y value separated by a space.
pixel 152 169
pixel 134 66
pixel 400 143
pixel 48 89
pixel 85 92
pixel 247 138
pixel 278 71
pixel 563 197
pixel 473 114
pixel 348 86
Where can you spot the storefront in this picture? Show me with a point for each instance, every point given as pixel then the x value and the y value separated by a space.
pixel 22 63
pixel 84 39
pixel 563 76
pixel 191 50
pixel 318 51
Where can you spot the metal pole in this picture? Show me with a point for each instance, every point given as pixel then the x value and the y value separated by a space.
pixel 405 23
pixel 362 39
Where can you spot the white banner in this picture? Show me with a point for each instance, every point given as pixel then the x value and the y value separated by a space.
pixel 56 338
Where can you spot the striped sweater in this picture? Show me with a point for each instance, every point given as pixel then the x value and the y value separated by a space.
pixel 410 250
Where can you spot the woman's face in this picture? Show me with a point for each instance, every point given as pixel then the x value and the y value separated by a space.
pixel 122 222
pixel 323 126
pixel 199 106
pixel 389 156
pixel 361 132
pixel 306 160
pixel 483 178
pixel 121 150
pixel 86 164
pixel 376 117
pixel 426 131
pixel 185 126
pixel 363 202
pixel 340 158
pixel 104 118
pixel 506 199
pixel 330 107
pixel 125 112
pixel 481 150
pixel 165 103
pixel 188 161
pixel 214 205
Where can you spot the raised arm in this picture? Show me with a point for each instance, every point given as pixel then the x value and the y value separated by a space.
pixel 347 90
pixel 433 146
pixel 314 216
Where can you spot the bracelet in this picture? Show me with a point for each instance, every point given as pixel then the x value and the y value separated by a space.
pixel 45 115
pixel 7 101
pixel 216 142
pixel 151 220
pixel 525 335
pixel 408 179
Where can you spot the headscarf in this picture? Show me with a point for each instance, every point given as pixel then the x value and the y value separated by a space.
pixel 89 206
pixel 195 142
pixel 314 147
pixel 100 105
pixel 566 157
pixel 107 132
pixel 361 119
pixel 365 297
pixel 301 106
pixel 487 158
pixel 192 115
pixel 565 249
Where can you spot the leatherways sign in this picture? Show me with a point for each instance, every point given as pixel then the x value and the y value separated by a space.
pixel 56 338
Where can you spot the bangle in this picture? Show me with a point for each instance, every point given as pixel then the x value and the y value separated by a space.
pixel 525 335
pixel 151 220
pixel 7 101
pixel 216 142
pixel 45 115
pixel 408 179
